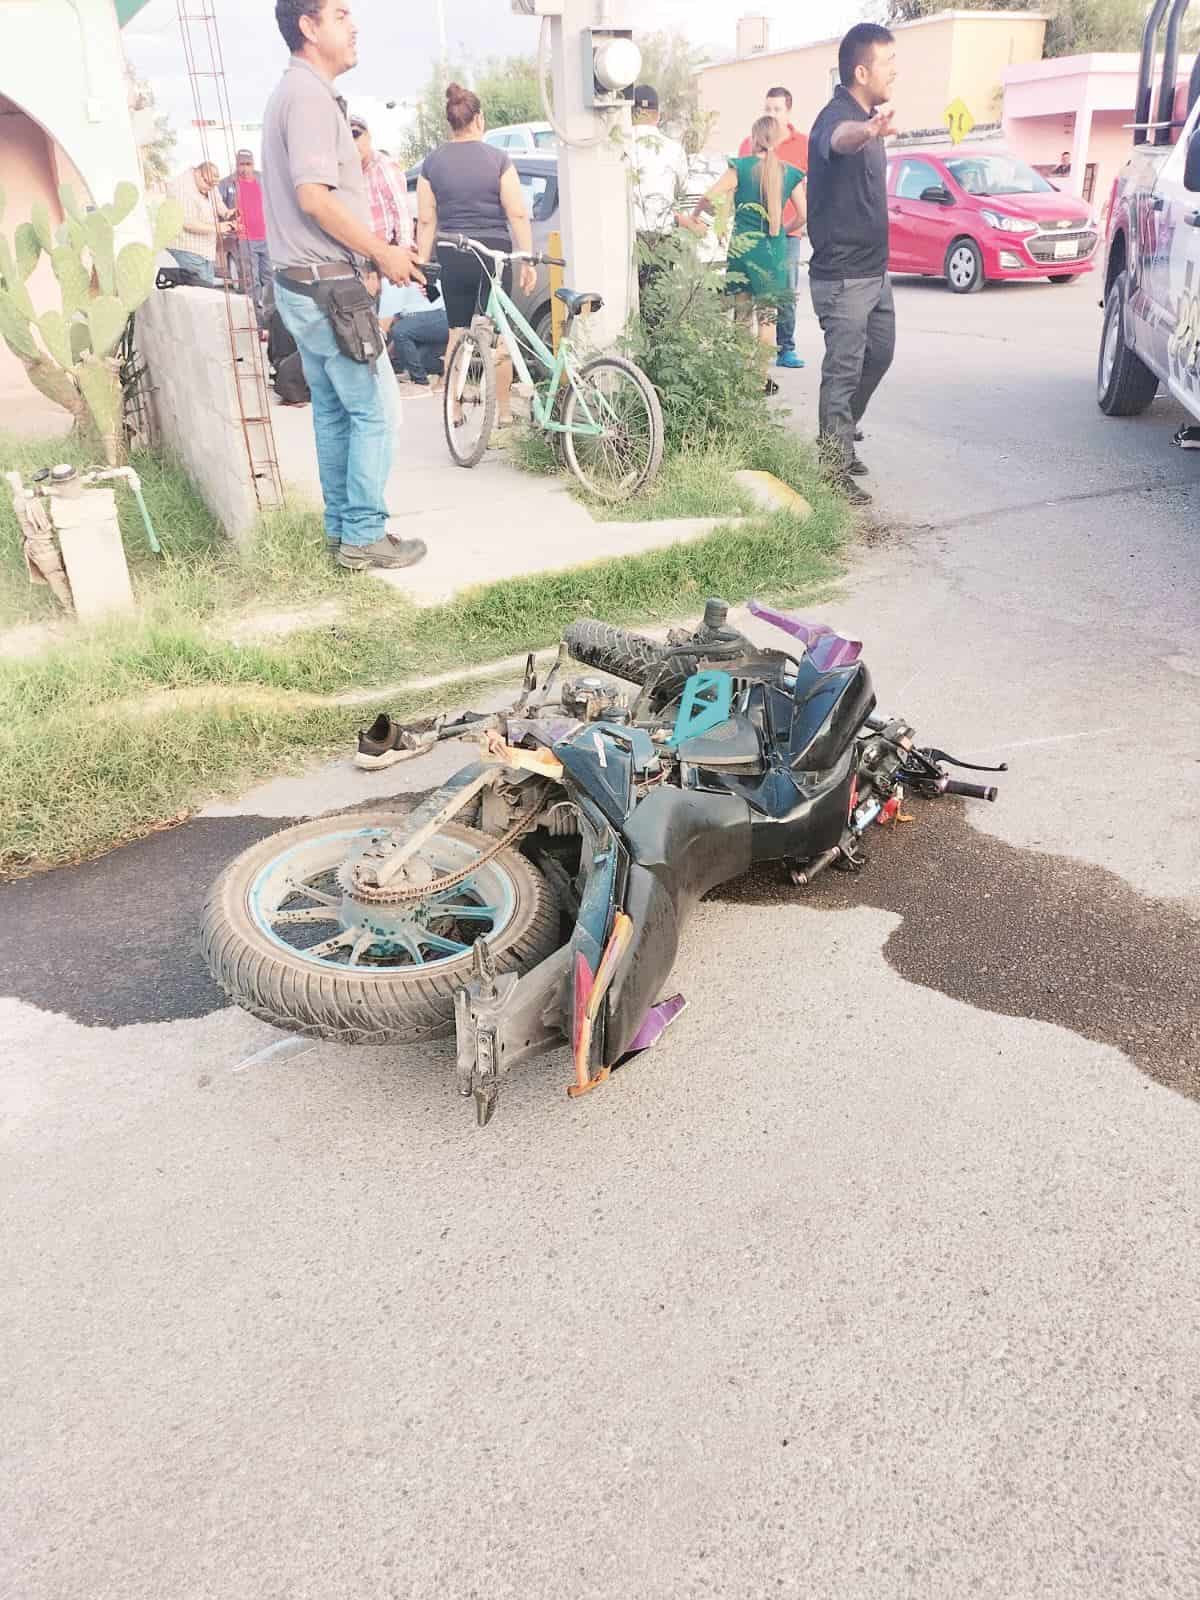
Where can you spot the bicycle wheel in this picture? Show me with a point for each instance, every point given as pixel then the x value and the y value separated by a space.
pixel 469 391
pixel 626 453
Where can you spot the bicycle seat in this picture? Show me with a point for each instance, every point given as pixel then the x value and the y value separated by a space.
pixel 580 300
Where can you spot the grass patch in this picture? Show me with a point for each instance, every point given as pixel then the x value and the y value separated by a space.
pixel 83 767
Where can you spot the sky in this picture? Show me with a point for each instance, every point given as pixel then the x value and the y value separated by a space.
pixel 398 41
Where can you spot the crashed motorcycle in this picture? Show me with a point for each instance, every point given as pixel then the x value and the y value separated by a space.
pixel 537 899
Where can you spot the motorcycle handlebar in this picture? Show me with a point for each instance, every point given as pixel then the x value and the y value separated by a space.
pixel 970 791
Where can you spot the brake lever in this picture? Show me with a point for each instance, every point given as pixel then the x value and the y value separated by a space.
pixel 953 761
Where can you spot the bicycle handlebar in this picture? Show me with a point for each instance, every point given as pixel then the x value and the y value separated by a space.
pixel 460 241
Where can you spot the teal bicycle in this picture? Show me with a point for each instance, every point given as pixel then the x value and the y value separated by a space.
pixel 603 409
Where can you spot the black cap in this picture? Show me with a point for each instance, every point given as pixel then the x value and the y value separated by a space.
pixel 645 97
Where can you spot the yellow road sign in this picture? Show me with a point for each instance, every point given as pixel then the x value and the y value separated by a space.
pixel 959 120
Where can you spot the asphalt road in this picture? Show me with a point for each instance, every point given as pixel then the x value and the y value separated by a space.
pixel 878 1278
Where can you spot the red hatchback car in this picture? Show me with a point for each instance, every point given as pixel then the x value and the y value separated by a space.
pixel 970 216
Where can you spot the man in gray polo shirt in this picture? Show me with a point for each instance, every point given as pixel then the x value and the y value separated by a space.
pixel 318 227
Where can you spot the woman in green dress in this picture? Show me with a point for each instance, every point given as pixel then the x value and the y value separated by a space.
pixel 757 272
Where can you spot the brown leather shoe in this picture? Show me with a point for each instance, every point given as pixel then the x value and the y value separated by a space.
pixel 386 552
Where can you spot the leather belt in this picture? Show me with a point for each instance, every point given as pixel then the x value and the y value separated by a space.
pixel 327 269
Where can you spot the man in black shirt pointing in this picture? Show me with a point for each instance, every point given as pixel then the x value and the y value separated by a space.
pixel 848 226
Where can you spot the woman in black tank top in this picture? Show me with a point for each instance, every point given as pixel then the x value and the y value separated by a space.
pixel 469 187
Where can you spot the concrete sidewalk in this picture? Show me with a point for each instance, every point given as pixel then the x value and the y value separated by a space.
pixel 491 522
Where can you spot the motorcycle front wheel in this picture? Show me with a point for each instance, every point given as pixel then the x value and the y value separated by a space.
pixel 288 943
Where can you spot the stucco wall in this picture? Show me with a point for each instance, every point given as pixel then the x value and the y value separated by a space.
pixel 64 117
pixel 183 337
pixel 1041 141
pixel 938 59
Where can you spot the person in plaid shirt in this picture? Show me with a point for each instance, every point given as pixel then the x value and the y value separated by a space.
pixel 391 218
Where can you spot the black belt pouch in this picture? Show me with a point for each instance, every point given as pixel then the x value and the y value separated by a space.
pixel 351 311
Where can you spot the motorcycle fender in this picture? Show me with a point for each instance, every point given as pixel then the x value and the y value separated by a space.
pixel 681 844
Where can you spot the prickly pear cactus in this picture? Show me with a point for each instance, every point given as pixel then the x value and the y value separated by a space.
pixel 68 354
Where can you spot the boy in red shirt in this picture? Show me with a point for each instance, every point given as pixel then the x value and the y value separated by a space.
pixel 792 149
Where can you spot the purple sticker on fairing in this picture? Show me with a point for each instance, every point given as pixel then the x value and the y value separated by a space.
pixel 826 648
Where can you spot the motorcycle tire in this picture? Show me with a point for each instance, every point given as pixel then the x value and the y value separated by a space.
pixel 363 1005
pixel 628 655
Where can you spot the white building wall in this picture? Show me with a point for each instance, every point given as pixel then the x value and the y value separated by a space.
pixel 61 62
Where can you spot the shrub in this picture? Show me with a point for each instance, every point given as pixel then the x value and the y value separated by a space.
pixel 707 369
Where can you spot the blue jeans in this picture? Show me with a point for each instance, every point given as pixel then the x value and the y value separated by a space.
pixel 254 268
pixel 785 327
pixel 200 265
pixel 354 418
pixel 418 340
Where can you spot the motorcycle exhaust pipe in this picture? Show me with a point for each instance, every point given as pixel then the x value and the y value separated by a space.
pixel 815 868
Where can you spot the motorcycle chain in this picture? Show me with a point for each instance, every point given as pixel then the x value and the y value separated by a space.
pixel 400 896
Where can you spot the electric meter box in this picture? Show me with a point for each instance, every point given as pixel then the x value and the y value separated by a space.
pixel 601 47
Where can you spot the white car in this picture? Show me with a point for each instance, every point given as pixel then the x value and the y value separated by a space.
pixel 523 138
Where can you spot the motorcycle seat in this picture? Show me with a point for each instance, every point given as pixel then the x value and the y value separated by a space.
pixel 734 743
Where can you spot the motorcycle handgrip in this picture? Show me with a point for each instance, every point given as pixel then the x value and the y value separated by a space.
pixel 970 791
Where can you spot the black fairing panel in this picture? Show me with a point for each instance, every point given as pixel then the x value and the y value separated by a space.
pixel 790 817
pixel 608 783
pixel 830 709
pixel 682 843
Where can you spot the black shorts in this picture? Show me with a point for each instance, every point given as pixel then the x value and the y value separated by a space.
pixel 466 284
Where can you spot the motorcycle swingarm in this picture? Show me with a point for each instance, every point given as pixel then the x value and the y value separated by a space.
pixel 501 1020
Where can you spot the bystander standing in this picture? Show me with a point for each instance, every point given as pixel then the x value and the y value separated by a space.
pixel 792 150
pixel 468 187
pixel 660 179
pixel 848 226
pixel 242 193
pixel 757 274
pixel 387 189
pixel 321 245
pixel 204 215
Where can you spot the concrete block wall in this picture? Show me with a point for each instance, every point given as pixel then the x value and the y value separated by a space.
pixel 183 340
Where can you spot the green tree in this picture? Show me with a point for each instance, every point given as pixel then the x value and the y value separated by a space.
pixel 507 88
pixel 1076 27
pixel 157 152
pixel 669 62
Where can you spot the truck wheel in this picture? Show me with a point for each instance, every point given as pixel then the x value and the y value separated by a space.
pixel 289 944
pixel 964 267
pixel 1125 385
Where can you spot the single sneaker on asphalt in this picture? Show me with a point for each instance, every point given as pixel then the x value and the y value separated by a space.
pixel 388 552
pixel 385 742
pixel 791 360
pixel 858 467
pixel 1187 438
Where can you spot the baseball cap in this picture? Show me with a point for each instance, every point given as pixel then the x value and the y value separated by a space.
pixel 359 124
pixel 245 155
pixel 645 98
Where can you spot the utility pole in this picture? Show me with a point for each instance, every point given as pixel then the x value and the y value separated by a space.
pixel 442 53
pixel 593 67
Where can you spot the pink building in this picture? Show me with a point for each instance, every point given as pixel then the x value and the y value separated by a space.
pixel 1077 104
